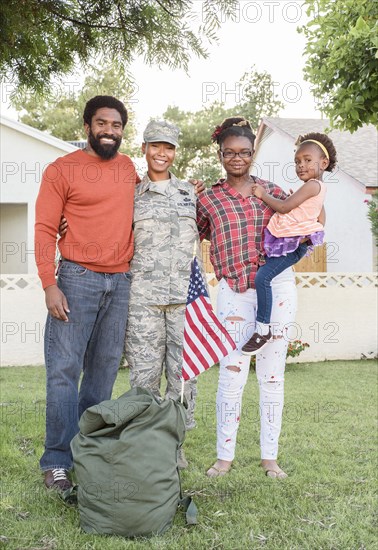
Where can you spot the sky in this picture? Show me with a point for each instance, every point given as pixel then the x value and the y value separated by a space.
pixel 264 34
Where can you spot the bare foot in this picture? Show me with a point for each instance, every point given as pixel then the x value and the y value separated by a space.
pixel 272 469
pixel 220 468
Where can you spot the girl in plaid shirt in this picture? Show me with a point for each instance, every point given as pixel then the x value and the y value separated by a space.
pixel 234 220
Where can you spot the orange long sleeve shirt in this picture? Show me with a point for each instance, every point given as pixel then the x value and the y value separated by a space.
pixel 97 198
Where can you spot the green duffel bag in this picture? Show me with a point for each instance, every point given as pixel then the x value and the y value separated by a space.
pixel 125 461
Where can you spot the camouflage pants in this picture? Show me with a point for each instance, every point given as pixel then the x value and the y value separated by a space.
pixel 154 340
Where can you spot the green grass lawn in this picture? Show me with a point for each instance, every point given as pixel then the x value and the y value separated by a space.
pixel 328 447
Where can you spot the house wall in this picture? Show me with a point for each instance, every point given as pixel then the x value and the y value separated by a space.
pixel 348 234
pixel 330 307
pixel 13 231
pixel 24 158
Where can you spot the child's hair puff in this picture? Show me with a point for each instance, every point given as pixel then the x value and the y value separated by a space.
pixel 326 142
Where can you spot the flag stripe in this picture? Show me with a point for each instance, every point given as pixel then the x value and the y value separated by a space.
pixel 195 340
pixel 201 308
pixel 193 360
pixel 190 370
pixel 203 317
pixel 218 324
pixel 200 344
pixel 206 341
pixel 200 336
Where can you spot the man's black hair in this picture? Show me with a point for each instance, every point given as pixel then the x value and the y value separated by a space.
pixel 100 101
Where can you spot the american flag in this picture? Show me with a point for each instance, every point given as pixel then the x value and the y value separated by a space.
pixel 206 341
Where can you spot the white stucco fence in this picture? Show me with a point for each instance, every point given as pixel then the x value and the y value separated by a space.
pixel 337 317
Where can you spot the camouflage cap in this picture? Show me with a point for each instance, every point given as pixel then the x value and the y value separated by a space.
pixel 161 130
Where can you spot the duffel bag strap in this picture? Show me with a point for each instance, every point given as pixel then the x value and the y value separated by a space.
pixel 190 510
pixel 69 496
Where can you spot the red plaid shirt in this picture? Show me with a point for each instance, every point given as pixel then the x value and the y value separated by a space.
pixel 235 227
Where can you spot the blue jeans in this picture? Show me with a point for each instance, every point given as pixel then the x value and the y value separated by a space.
pixel 90 342
pixel 264 276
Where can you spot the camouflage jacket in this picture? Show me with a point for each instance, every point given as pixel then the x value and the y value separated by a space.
pixel 165 231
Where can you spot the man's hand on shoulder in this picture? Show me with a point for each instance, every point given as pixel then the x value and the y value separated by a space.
pixel 56 303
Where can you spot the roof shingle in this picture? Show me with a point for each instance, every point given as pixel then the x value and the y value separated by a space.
pixel 357 153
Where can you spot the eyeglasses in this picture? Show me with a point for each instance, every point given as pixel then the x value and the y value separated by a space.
pixel 232 154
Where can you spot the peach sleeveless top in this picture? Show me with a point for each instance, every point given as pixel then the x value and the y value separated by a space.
pixel 302 220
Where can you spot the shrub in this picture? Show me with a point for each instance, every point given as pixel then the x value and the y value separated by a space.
pixel 372 214
pixel 296 347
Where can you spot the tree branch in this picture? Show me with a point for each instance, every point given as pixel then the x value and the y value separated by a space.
pixel 90 25
pixel 122 22
pixel 164 8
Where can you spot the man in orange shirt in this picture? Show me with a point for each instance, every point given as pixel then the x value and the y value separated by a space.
pixel 88 303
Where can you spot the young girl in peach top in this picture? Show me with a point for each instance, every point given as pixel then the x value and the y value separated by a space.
pixel 294 229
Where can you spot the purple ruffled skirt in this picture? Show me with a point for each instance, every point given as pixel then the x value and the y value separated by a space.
pixel 281 246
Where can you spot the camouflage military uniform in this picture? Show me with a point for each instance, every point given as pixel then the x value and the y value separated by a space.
pixel 165 231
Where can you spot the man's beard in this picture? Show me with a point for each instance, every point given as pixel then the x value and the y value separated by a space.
pixel 105 151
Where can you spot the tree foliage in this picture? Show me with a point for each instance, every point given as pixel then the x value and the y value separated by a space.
pixel 60 112
pixel 373 215
pixel 46 39
pixel 342 60
pixel 197 156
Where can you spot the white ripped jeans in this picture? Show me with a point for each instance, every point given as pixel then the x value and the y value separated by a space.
pixel 237 312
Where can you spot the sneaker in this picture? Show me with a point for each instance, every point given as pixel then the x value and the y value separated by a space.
pixel 182 463
pixel 57 479
pixel 256 343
